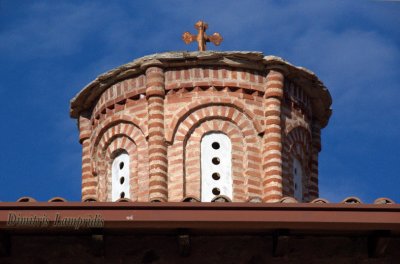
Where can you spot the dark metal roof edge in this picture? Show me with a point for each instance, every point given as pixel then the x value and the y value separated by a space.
pixel 196 206
pixel 198 217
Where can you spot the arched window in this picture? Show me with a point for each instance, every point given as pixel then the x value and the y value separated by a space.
pixel 216 166
pixel 297 180
pixel 120 177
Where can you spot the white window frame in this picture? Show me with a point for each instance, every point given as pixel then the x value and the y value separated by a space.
pixel 216 166
pixel 120 177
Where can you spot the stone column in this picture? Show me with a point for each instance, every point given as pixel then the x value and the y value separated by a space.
pixel 272 139
pixel 89 182
pixel 316 148
pixel 158 161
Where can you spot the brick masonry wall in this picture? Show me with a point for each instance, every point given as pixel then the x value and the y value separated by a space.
pixel 160 117
pixel 298 141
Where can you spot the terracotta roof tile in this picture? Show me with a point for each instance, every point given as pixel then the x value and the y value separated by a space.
pixel 26 199
pixel 190 199
pixel 288 199
pixel 90 199
pixel 222 198
pixel 57 199
pixel 352 200
pixel 384 200
pixel 319 201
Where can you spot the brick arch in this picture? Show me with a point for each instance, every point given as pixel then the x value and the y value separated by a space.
pixel 297 143
pixel 118 144
pixel 115 129
pixel 115 119
pixel 122 136
pixel 300 135
pixel 184 165
pixel 205 103
pixel 222 111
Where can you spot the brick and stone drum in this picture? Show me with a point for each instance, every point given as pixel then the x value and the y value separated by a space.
pixel 187 126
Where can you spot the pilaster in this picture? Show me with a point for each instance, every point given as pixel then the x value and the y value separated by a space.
pixel 272 138
pixel 158 160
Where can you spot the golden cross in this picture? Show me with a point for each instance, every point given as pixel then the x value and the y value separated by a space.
pixel 201 37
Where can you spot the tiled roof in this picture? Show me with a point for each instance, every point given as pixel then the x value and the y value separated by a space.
pixel 222 198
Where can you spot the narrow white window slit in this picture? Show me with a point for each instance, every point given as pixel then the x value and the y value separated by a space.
pixel 120 177
pixel 216 166
pixel 297 180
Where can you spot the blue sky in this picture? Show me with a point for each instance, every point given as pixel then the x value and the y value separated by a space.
pixel 49 50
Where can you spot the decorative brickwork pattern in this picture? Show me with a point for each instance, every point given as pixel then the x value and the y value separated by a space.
pixel 157 148
pixel 215 76
pixel 184 170
pixel 298 98
pixel 272 140
pixel 292 118
pixel 117 93
pixel 157 110
pixel 88 181
pixel 316 148
pixel 127 137
pixel 213 98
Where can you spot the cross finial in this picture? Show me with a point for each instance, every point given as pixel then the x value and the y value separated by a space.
pixel 201 36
